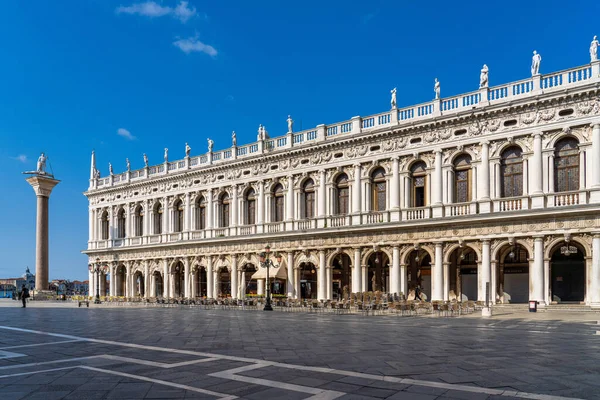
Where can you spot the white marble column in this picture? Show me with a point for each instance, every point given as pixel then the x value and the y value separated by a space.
pixel 165 216
pixel 322 194
pixel 356 272
pixel 446 281
pixel 364 277
pixel 187 218
pixel 437 274
pixel 536 173
pixel 322 283
pixel 436 186
pixel 356 196
pixel 234 277
pixel 595 155
pixel 328 283
pixel 91 282
pixel 289 199
pixel 290 276
pixel 210 280
pixel 395 271
pixel 186 277
pixel 536 275
pixel 234 207
pixel 127 281
pixel 594 287
pixel 484 272
pixel 260 203
pixel 403 281
pixel 146 279
pixel 209 210
pixel 483 176
pixel 260 287
pixel 166 278
pixel 395 190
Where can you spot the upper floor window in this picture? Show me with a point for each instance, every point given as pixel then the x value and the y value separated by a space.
pixel 200 213
pixel 178 212
pixel 104 225
pixel 250 207
pixel 224 211
pixel 511 169
pixel 308 197
pixel 462 179
pixel 378 190
pixel 418 172
pixel 121 220
pixel 139 221
pixel 158 219
pixel 566 165
pixel 342 195
pixel 278 203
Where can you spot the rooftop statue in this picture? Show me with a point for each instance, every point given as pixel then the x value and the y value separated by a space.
pixel 535 63
pixel 166 154
pixel 261 133
pixel 233 139
pixel 128 164
pixel 187 150
pixel 436 89
pixel 393 100
pixel 110 168
pixel 145 160
pixel 594 49
pixel 483 77
pixel 210 145
pixel 41 164
pixel 290 123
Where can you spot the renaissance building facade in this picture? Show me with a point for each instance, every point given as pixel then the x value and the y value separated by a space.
pixel 497 188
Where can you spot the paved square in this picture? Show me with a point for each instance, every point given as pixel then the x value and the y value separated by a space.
pixel 175 353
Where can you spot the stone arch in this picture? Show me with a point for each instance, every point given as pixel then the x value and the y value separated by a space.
pixel 565 134
pixel 407 251
pixel 309 257
pixel 249 258
pixel 368 172
pixel 413 161
pixel 365 256
pixel 500 246
pixel 453 247
pixel 458 152
pixel 505 146
pixel 222 262
pixel 334 177
pixel 551 246
pixel 333 254
pixel 174 263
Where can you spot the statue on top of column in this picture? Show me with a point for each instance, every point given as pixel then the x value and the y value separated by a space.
pixel 594 49
pixel 210 145
pixel 110 168
pixel 393 100
pixel 145 160
pixel 290 123
pixel 261 133
pixel 187 150
pixel 535 63
pixel 41 164
pixel 233 139
pixel 128 164
pixel 436 88
pixel 483 77
pixel 166 155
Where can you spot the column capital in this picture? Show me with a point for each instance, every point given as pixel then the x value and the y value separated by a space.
pixel 595 125
pixel 484 143
pixel 356 165
pixel 438 151
pixel 485 241
pixel 537 134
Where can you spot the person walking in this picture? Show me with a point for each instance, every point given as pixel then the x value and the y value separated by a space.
pixel 418 293
pixel 24 296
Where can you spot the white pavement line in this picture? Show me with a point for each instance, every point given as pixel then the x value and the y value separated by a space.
pixel 156 363
pixel 161 382
pixel 9 354
pixel 449 386
pixel 38 372
pixel 17 366
pixel 40 344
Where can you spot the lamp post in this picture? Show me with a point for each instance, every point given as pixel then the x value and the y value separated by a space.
pixel 96 269
pixel 265 262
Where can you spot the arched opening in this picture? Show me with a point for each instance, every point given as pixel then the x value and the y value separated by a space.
pixel 513 274
pixel 342 195
pixel 139 287
pixel 224 211
pixel 462 179
pixel 418 172
pixel 567 271
pixel 178 276
pixel 341 277
pixel 308 281
pixel 138 222
pixel 511 170
pixel 566 165
pixel 157 284
pixel 463 273
pixel 419 274
pixel 378 272
pixel 250 203
pixel 378 190
pixel 178 212
pixel 200 220
pixel 105 225
pixel 158 218
pixel 248 285
pixel 200 282
pixel 278 203
pixel 223 282
pixel 120 281
pixel 308 199
pixel 121 221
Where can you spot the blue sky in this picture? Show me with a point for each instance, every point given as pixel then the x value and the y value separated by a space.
pixel 75 72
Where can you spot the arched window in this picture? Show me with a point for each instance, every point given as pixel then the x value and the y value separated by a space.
pixel 462 179
pixel 250 207
pixel 105 225
pixel 278 203
pixel 511 169
pixel 178 212
pixel 158 219
pixel 200 213
pixel 139 221
pixel 566 165
pixel 308 196
pixel 224 211
pixel 378 190
pixel 342 195
pixel 418 172
pixel 121 220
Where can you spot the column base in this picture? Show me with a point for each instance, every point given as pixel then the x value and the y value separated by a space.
pixel 395 215
pixel 356 219
pixel 595 195
pixel 437 211
pixel 486 312
pixel 44 295
pixel 537 201
pixel 485 206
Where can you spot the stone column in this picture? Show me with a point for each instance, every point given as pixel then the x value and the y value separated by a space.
pixel 437 274
pixel 186 277
pixel 260 203
pixel 42 186
pixel 594 293
pixel 395 271
pixel 395 190
pixel 595 155
pixel 146 279
pixel 260 287
pixel 364 278
pixel 484 179
pixel 403 283
pixel 210 280
pixel 128 291
pixel 328 283
pixel 536 173
pixel 209 211
pixel 322 283
pixel 234 277
pixel 234 207
pixel 356 275
pixel 289 202
pixel 166 278
pixel 321 208
pixel 536 275
pixel 436 195
pixel 187 220
pixel 446 281
pixel 356 197
pixel 290 276
pixel 484 272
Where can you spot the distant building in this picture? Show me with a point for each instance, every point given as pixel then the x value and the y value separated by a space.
pixel 7 290
pixel 80 287
pixel 27 280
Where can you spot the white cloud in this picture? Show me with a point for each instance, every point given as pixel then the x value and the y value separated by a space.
pixel 191 45
pixel 21 157
pixel 125 133
pixel 152 9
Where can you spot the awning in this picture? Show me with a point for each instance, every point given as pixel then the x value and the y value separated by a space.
pixel 279 273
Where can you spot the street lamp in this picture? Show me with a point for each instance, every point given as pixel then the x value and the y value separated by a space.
pixel 96 269
pixel 265 262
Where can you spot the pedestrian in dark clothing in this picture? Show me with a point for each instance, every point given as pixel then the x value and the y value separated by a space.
pixel 24 296
pixel 418 293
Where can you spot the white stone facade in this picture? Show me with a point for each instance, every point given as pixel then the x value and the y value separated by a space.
pixel 500 186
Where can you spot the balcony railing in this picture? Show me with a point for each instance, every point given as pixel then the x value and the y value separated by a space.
pixel 459 209
pixel 565 199
pixel 510 204
pixel 339 220
pixel 411 214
